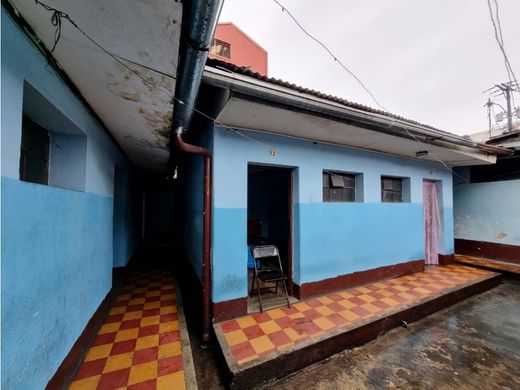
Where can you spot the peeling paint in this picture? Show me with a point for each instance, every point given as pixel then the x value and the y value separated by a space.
pixel 500 235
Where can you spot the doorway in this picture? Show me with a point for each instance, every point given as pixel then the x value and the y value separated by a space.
pixel 433 231
pixel 269 215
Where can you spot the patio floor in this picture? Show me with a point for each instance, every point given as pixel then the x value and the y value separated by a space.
pixel 262 346
pixel 510 269
pixel 143 342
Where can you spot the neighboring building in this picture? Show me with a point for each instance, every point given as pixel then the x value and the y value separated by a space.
pixel 486 206
pixel 230 44
pixel 337 186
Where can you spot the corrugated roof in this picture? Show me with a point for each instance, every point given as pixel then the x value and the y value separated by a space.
pixel 247 72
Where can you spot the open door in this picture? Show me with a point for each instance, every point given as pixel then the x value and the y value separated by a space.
pixel 269 214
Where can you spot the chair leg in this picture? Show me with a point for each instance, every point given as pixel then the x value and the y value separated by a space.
pixel 286 294
pixel 252 284
pixel 259 295
pixel 276 289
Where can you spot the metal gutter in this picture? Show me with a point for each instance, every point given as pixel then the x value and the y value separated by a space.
pixel 385 124
pixel 199 22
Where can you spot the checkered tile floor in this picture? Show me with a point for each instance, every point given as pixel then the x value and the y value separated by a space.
pixel 491 264
pixel 138 346
pixel 262 334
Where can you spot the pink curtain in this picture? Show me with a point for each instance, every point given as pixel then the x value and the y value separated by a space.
pixel 432 222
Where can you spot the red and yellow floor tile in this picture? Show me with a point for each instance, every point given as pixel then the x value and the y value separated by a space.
pixel 261 334
pixel 491 264
pixel 139 344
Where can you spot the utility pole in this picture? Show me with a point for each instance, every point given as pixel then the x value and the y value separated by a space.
pixel 489 104
pixel 506 89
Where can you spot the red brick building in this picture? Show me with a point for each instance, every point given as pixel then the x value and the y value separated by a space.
pixel 231 44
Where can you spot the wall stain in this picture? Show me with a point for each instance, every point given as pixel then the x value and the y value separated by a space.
pixel 160 123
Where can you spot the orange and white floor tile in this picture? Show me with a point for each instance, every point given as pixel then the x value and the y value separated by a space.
pixel 262 334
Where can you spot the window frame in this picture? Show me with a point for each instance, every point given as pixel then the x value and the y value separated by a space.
pixel 397 194
pixel 28 127
pixel 350 182
pixel 220 48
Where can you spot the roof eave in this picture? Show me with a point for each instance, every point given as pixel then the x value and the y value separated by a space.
pixel 387 124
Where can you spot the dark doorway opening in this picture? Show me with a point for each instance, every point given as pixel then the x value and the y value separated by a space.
pixel 269 214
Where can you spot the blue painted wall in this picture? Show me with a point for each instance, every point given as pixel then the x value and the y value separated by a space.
pixel 191 176
pixel 57 244
pixel 486 211
pixel 126 216
pixel 330 239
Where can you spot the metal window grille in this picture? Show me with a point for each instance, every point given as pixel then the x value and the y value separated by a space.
pixel 220 48
pixel 391 189
pixel 339 187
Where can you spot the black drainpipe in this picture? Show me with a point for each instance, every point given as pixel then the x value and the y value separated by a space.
pixel 199 22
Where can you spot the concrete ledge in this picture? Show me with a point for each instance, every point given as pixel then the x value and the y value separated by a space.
pixel 308 290
pixel 263 370
pixel 190 379
pixel 507 270
pixel 488 250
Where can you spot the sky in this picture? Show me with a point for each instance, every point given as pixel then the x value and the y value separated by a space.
pixel 427 60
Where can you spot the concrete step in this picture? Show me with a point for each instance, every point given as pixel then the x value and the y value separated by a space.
pixel 265 346
pixel 509 270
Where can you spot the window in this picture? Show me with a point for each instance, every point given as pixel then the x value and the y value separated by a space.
pixel 391 189
pixel 220 48
pixel 34 156
pixel 53 149
pixel 339 187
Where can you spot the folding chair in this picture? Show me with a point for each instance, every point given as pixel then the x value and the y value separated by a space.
pixel 266 270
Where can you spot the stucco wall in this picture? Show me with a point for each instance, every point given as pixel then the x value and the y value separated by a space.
pixel 486 211
pixel 330 239
pixel 192 187
pixel 57 244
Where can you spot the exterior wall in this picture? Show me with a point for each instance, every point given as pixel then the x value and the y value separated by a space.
pixel 330 239
pixel 127 216
pixel 487 212
pixel 192 187
pixel 244 51
pixel 57 244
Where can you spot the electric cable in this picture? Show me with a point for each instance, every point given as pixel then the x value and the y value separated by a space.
pixel 497 28
pixel 58 15
pixel 335 57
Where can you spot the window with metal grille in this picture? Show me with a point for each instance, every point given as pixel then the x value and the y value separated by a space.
pixel 339 187
pixel 220 48
pixel 391 189
pixel 34 156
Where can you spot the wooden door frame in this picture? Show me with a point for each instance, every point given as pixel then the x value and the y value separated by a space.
pixel 290 252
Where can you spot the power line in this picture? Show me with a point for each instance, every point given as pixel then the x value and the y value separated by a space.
pixel 497 28
pixel 56 17
pixel 272 150
pixel 335 57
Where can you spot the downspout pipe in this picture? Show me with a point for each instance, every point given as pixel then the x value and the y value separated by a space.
pixel 199 22
pixel 206 229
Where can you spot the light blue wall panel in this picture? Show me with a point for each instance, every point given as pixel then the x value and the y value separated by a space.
pixel 488 212
pixel 330 239
pixel 56 269
pixel 57 244
pixel 192 186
